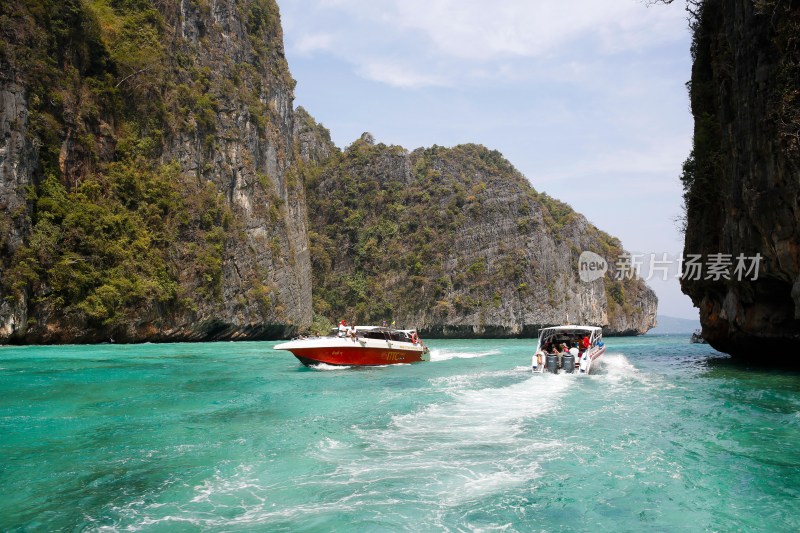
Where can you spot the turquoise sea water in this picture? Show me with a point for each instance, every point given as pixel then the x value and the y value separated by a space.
pixel 668 436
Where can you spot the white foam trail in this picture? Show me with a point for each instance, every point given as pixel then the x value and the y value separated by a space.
pixel 328 444
pixel 461 382
pixel 467 449
pixel 326 367
pixel 445 354
pixel 473 447
pixel 617 365
pixel 619 371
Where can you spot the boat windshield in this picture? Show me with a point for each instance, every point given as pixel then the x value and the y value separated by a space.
pixel 367 332
pixel 385 334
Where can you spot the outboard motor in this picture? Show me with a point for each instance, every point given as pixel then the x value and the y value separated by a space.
pixel 552 363
pixel 569 363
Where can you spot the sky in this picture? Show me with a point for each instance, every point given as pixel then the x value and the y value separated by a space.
pixel 586 98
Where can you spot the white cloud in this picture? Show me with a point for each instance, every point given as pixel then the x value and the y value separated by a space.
pixel 449 41
pixel 397 75
pixel 307 44
pixel 643 161
pixel 471 30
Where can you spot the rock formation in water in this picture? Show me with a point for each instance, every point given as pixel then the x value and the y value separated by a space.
pixel 153 183
pixel 456 242
pixel 145 173
pixel 742 180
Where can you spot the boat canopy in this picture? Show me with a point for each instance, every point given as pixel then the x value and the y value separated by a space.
pixel 569 333
pixel 378 328
pixel 568 328
pixel 382 328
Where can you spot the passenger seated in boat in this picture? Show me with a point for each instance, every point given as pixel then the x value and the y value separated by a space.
pixel 342 328
pixel 351 333
pixel 575 352
pixel 562 351
pixel 557 351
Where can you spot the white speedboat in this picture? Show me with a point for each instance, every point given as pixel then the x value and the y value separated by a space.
pixel 568 349
pixel 369 346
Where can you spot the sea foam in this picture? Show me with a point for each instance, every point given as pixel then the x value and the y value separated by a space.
pixel 444 354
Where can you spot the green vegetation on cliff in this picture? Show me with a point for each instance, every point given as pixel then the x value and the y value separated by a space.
pixel 118 231
pixel 108 250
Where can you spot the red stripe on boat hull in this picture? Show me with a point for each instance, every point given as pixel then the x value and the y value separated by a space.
pixel 356 356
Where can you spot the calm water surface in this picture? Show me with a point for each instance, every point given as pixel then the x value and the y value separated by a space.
pixel 668 436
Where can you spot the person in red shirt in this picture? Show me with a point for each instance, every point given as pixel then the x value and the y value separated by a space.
pixel 585 343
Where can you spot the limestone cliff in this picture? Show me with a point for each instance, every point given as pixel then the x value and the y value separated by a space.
pixel 457 243
pixel 146 177
pixel 742 180
pixel 154 180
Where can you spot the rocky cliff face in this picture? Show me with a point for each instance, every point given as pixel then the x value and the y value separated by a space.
pixel 742 180
pixel 457 243
pixel 146 174
pixel 18 156
pixel 154 179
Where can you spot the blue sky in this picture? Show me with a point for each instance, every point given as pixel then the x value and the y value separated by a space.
pixel 587 99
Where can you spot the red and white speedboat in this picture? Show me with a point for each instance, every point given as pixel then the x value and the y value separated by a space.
pixel 371 346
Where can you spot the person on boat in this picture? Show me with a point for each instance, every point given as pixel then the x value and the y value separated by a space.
pixel 351 333
pixel 575 352
pixel 585 343
pixel 555 350
pixel 342 328
pixel 584 364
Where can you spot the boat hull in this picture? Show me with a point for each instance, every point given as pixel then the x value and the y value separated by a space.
pixel 594 355
pixel 359 353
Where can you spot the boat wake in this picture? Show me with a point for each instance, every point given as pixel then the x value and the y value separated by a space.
pixel 445 354
pixel 474 445
pixel 479 444
pixel 615 369
pixel 617 365
pixel 326 368
pixel 618 371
